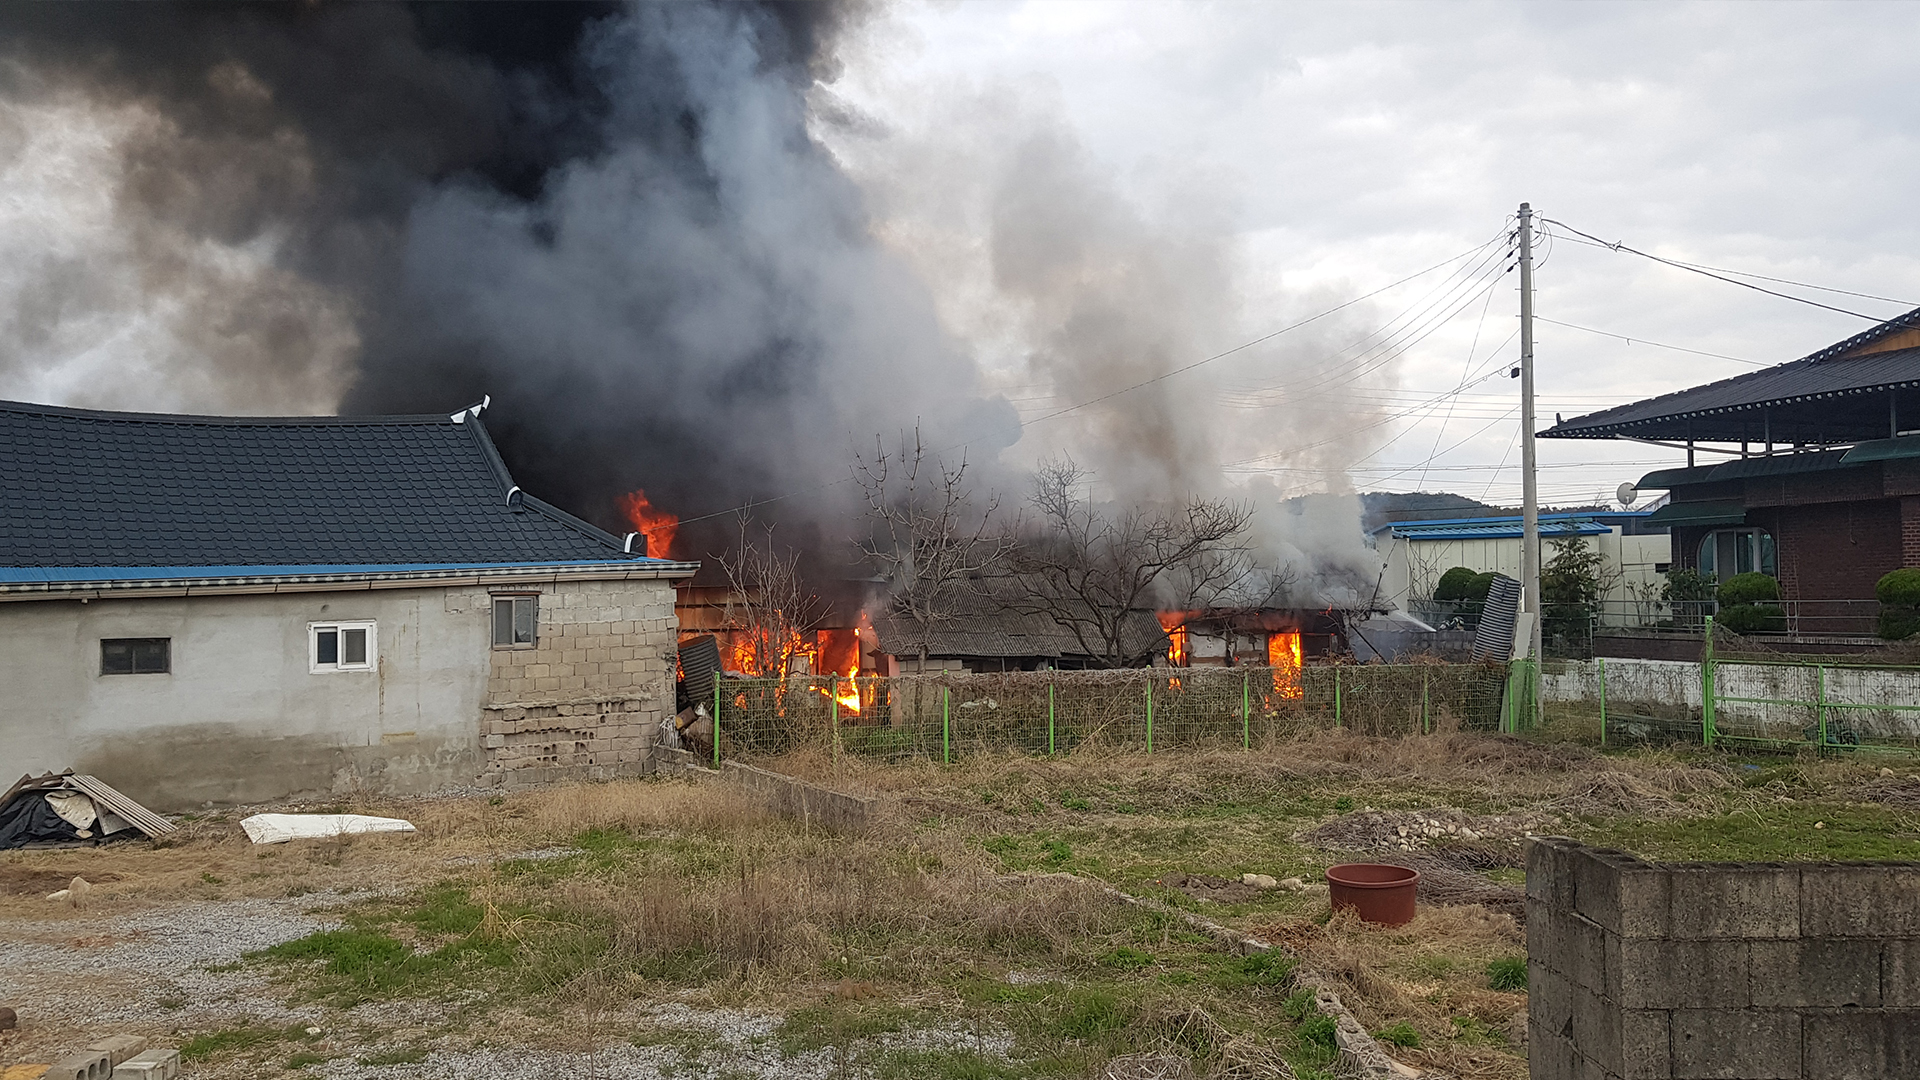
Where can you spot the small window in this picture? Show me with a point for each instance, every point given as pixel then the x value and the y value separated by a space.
pixel 514 620
pixel 341 646
pixel 136 656
pixel 1727 552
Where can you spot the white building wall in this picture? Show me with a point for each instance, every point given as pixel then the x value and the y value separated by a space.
pixel 241 718
pixel 1413 567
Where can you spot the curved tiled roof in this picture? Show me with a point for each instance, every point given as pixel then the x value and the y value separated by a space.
pixel 80 488
pixel 1836 395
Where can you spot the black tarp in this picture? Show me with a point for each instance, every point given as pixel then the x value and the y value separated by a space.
pixel 29 820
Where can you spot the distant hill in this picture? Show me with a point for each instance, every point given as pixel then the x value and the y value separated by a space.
pixel 1380 507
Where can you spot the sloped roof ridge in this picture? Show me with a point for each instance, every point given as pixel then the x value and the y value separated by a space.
pixel 31 408
pixel 1907 321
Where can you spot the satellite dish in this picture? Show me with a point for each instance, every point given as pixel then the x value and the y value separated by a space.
pixel 1626 494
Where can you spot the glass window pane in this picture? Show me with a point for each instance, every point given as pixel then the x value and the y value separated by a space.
pixel 1706 554
pixel 1768 564
pixel 326 649
pixel 503 622
pixel 116 657
pixel 356 647
pixel 150 655
pixel 525 614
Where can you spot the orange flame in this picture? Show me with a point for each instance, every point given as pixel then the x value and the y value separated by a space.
pixel 1285 656
pixel 657 526
pixel 1176 637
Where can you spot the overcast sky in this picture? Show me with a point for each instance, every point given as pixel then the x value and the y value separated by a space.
pixel 1096 194
pixel 1340 147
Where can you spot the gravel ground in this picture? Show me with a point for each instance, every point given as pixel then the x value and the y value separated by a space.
pixel 76 979
pixel 164 972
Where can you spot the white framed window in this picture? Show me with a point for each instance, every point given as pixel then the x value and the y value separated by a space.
pixel 341 646
pixel 516 620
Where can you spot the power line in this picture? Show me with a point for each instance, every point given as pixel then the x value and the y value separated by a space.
pixel 1762 277
pixel 1649 341
pixel 1696 269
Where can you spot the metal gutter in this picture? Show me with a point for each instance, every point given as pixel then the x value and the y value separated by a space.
pixel 74 583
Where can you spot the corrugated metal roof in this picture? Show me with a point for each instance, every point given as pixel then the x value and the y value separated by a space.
pixel 1496 528
pixel 1714 512
pixel 1749 468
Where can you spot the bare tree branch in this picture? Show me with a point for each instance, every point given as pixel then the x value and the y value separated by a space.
pixel 772 614
pixel 926 537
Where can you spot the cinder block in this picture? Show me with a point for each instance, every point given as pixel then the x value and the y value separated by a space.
pixel 1596 886
pixel 1900 973
pixel 1596 1030
pixel 1549 1056
pixel 1749 900
pixel 1657 974
pixel 1735 1044
pixel 1855 1045
pixel 88 1065
pixel 149 1065
pixel 1861 900
pixel 1550 871
pixel 1646 1047
pixel 1816 972
pixel 1586 951
pixel 118 1048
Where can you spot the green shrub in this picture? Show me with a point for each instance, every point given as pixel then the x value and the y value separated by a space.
pixel 1748 589
pixel 1899 593
pixel 1480 586
pixel 1751 619
pixel 1508 973
pixel 1686 585
pixel 1400 1034
pixel 1454 585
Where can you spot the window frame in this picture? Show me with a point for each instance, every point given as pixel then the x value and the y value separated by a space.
pixel 1760 548
pixel 339 627
pixel 134 669
pixel 514 600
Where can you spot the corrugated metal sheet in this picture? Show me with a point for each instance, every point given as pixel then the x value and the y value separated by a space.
pixel 1906 446
pixel 1500 531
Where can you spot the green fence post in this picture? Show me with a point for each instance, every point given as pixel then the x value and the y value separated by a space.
pixel 1426 678
pixel 1602 663
pixel 946 728
pixel 716 719
pixel 1246 713
pixel 1149 714
pixel 834 697
pixel 1707 689
pixel 1049 717
pixel 1820 704
pixel 1337 722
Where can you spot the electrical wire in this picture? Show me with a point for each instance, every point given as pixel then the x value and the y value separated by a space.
pixel 1649 341
pixel 1696 269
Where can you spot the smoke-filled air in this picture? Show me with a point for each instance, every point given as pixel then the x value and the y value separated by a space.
pixel 682 247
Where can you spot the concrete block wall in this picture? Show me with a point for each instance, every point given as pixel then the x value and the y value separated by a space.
pixel 586 702
pixel 596 639
pixel 1689 971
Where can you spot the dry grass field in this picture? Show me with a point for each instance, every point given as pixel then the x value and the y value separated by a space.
pixel 673 928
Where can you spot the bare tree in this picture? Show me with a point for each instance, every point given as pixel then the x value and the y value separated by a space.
pixel 926 536
pixel 772 614
pixel 1095 572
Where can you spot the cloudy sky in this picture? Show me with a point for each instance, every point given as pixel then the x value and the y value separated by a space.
pixel 1090 199
pixel 1337 148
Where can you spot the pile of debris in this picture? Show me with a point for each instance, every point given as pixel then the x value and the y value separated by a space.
pixel 64 809
pixel 121 1057
pixel 1418 830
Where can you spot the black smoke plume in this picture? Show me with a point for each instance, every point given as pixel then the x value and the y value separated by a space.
pixel 611 219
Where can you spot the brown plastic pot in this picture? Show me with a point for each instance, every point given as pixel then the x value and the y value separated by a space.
pixel 1378 893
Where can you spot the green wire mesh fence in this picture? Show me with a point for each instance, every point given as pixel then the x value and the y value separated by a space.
pixel 949 715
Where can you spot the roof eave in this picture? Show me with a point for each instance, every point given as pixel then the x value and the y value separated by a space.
pixel 320 580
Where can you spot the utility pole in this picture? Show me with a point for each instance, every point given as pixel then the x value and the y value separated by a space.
pixel 1530 483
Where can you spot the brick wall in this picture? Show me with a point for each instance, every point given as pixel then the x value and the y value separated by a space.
pixel 1686 971
pixel 587 700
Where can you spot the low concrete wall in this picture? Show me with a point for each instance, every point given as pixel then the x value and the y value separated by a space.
pixel 1670 690
pixel 1688 971
pixel 787 796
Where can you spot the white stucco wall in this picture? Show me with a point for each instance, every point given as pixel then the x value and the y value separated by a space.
pixel 1413 567
pixel 241 718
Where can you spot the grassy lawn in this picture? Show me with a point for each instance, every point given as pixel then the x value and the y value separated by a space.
pixel 966 935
